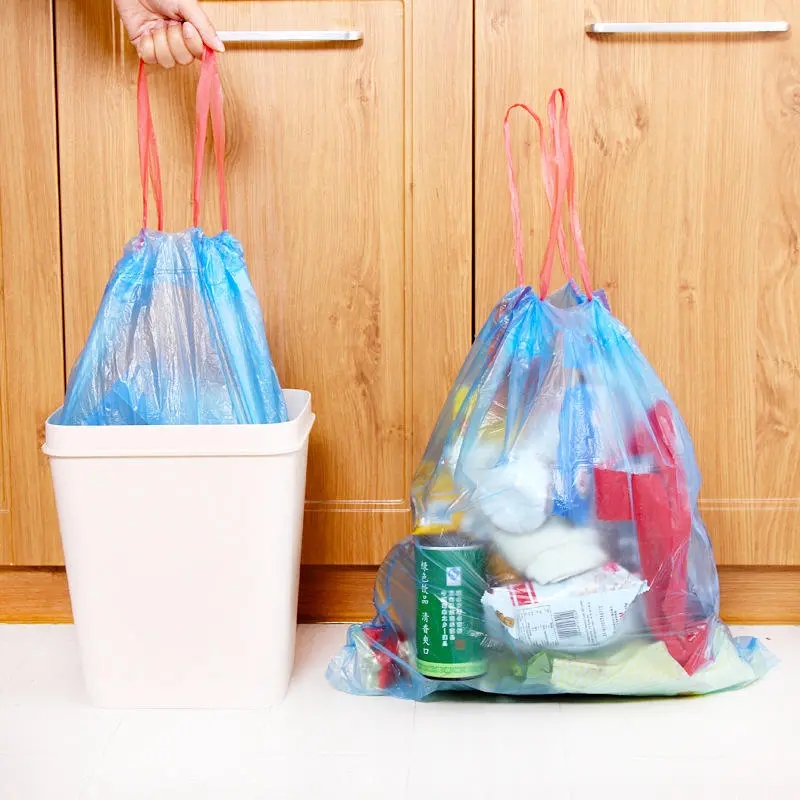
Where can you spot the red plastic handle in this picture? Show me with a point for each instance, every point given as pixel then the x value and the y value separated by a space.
pixel 552 183
pixel 559 124
pixel 559 180
pixel 149 165
pixel 209 98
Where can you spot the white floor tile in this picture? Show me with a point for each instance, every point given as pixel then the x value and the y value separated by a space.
pixel 345 777
pixel 37 731
pixel 44 778
pixel 155 752
pixel 321 743
pixel 46 665
pixel 630 778
pixel 490 747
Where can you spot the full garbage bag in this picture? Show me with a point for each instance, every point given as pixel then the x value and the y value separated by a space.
pixel 179 337
pixel 557 544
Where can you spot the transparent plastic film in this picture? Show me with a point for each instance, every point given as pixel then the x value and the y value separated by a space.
pixel 557 546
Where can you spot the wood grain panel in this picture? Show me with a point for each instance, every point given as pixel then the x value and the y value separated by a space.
pixel 347 199
pixel 441 201
pixel 380 524
pixel 749 595
pixel 34 595
pixel 31 349
pixel 760 595
pixel 755 532
pixel 336 594
pixel 685 156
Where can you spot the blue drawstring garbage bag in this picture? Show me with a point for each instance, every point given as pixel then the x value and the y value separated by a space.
pixel 179 337
pixel 557 546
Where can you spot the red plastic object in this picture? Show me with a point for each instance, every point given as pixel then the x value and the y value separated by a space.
pixel 658 502
pixel 388 646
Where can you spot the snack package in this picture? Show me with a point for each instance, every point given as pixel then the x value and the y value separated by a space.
pixel 579 614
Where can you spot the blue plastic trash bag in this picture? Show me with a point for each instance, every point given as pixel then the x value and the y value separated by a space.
pixel 179 337
pixel 557 546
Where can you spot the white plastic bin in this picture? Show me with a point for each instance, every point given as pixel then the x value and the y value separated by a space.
pixel 182 546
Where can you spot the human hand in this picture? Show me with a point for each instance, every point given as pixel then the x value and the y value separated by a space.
pixel 168 32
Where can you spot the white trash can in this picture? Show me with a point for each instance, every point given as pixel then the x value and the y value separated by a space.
pixel 182 546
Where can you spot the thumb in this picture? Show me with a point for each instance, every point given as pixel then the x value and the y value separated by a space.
pixel 190 11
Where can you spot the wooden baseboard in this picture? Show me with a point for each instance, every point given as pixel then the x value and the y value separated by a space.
pixel 336 594
pixel 34 595
pixel 760 595
pixel 750 595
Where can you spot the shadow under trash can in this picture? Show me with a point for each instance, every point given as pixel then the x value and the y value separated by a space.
pixel 182 547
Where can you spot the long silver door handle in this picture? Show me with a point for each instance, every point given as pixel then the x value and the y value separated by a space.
pixel 290 37
pixel 668 28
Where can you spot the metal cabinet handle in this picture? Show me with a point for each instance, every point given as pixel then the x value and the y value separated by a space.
pixel 290 37
pixel 668 28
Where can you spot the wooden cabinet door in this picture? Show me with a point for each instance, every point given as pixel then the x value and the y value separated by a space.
pixel 688 165
pixel 349 185
pixel 31 346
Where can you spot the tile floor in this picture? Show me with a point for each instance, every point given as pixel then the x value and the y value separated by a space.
pixel 322 744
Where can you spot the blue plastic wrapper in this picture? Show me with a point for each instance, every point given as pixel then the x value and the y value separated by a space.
pixel 179 338
pixel 557 545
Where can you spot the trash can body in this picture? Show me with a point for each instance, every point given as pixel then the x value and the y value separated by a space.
pixel 182 548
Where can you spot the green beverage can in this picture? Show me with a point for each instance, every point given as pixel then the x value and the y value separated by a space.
pixel 449 575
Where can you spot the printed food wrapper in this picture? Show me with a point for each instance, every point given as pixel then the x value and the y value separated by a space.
pixel 578 614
